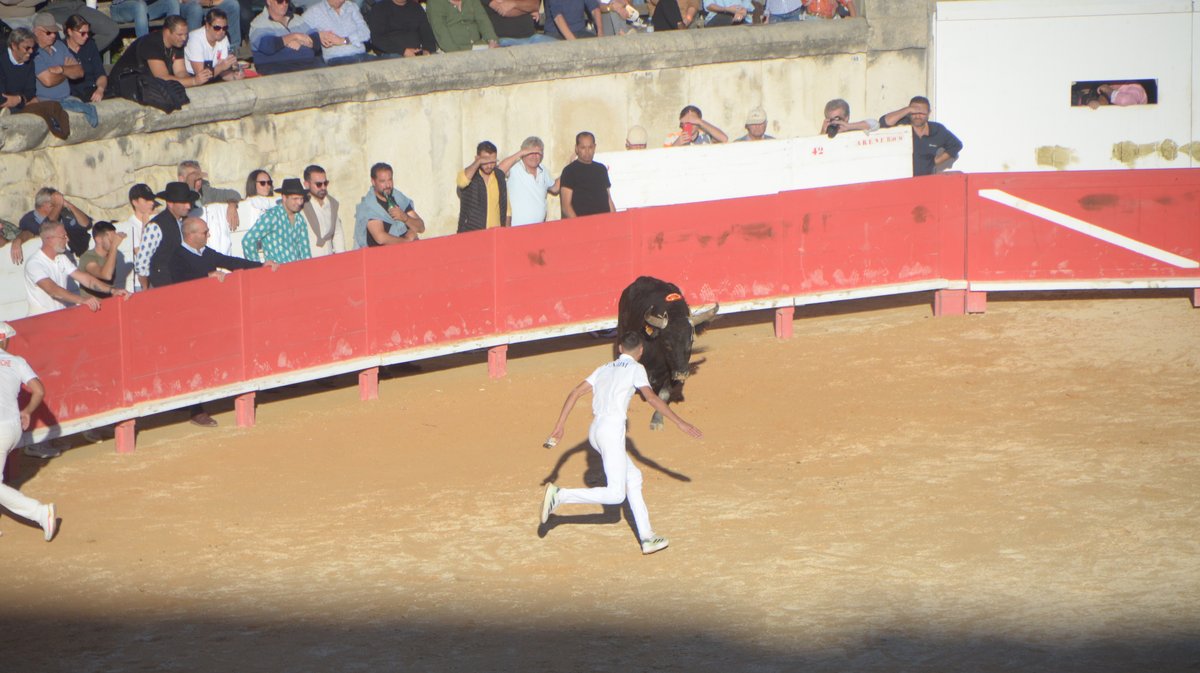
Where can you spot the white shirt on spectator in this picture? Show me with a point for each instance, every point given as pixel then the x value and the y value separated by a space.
pixel 346 21
pixel 527 194
pixel 14 371
pixel 217 217
pixel 198 49
pixel 132 228
pixel 39 267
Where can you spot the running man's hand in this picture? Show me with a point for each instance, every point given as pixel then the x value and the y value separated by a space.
pixel 689 429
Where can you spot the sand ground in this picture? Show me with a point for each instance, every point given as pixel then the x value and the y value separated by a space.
pixel 887 491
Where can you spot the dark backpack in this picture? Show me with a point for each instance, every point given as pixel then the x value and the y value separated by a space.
pixel 139 87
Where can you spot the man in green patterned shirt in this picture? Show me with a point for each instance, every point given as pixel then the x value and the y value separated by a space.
pixel 281 233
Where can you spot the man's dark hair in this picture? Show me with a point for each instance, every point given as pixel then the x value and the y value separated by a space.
pixel 375 170
pixel 691 108
pixel 313 168
pixel 75 22
pixel 580 136
pixel 485 147
pixel 920 99
pixel 630 341
pixel 102 227
pixel 172 21
pixel 214 14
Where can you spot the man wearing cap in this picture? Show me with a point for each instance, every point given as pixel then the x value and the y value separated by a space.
pixel 163 235
pixel 20 13
pixel 636 139
pixel 281 232
pixel 756 126
pixel 54 66
pixel 141 201
pixel 934 146
pixel 47 271
pixel 194 259
pixel 14 373
pixel 528 183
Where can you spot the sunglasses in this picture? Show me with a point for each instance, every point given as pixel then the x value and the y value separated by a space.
pixel 320 184
pixel 84 33
pixel 220 29
pixel 266 182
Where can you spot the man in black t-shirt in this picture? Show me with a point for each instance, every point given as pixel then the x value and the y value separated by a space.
pixel 585 182
pixel 401 27
pixel 160 55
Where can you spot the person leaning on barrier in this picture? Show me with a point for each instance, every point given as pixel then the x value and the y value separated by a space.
pixel 482 192
pixel 400 27
pixel 193 259
pixel 281 232
pixel 209 47
pixel 584 183
pixel 105 261
pixel 92 85
pixel 193 12
pixel 385 216
pixel 321 212
pixel 143 205
pixel 18 84
pixel 837 117
pixel 756 126
pixel 55 65
pixel 48 269
pixel 163 235
pixel 280 41
pixel 934 147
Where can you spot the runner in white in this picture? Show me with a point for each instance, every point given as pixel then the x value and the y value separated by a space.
pixel 613 385
pixel 14 371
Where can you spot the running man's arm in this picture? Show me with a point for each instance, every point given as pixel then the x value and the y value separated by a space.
pixel 36 392
pixel 577 392
pixel 662 408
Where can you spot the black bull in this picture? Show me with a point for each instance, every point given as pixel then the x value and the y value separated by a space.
pixel 657 310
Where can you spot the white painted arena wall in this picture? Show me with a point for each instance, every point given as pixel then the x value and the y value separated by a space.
pixel 1002 72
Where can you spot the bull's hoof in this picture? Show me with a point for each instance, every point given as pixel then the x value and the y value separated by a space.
pixel 656 422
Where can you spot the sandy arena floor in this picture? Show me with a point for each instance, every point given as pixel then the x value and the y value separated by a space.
pixel 887 491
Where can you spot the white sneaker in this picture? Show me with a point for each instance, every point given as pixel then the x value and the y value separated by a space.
pixel 50 526
pixel 549 502
pixel 653 544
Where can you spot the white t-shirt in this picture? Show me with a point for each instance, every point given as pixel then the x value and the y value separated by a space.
pixel 198 49
pixel 132 228
pixel 38 267
pixel 613 385
pixel 14 371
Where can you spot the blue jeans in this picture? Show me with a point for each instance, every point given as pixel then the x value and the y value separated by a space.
pixel 140 13
pixel 536 38
pixel 72 104
pixel 194 13
pixel 794 15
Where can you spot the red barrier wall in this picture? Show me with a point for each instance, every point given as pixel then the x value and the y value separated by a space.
pixel 208 339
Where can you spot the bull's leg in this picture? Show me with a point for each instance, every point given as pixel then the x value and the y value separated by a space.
pixel 656 421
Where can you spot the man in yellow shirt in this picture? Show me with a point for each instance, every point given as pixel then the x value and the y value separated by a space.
pixel 482 192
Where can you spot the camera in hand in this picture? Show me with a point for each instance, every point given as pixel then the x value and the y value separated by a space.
pixel 832 130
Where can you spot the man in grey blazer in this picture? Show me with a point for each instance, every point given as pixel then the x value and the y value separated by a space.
pixel 321 213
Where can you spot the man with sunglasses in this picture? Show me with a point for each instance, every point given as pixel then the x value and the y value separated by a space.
pixel 321 213
pixel 208 47
pixel 18 83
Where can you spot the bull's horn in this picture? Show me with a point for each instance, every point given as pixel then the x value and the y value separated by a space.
pixel 700 317
pixel 659 321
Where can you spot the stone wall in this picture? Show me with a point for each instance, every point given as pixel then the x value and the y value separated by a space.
pixel 424 116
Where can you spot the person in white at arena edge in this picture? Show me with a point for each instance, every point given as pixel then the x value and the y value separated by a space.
pixel 48 269
pixel 208 47
pixel 15 372
pixel 613 386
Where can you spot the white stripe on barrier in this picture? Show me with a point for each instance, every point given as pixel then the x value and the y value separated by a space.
pixel 1088 229
pixel 1123 284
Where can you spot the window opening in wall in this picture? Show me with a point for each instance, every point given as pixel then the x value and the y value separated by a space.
pixel 1120 92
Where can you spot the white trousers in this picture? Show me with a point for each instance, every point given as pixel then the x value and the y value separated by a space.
pixel 10 498
pixel 624 479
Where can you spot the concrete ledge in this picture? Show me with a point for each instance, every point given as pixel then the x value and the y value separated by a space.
pixel 401 78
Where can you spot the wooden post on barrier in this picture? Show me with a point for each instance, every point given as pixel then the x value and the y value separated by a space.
pixel 976 302
pixel 368 384
pixel 126 435
pixel 783 322
pixel 244 407
pixel 1195 297
pixel 498 361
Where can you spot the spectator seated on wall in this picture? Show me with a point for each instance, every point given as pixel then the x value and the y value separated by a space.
pixel 281 233
pixel 385 216
pixel 934 147
pixel 515 22
pixel 194 259
pixel 105 260
pixel 20 14
pixel 729 13
pixel 620 18
pixel 92 85
pixel 401 28
pixel 208 47
pixel 837 119
pixel 50 205
pixel 141 12
pixel 153 69
pixel 18 84
pixel 55 65
pixel 461 25
pixel 343 32
pixel 673 14
pixel 280 41
pixel 568 19
pixel 831 9
pixel 194 10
